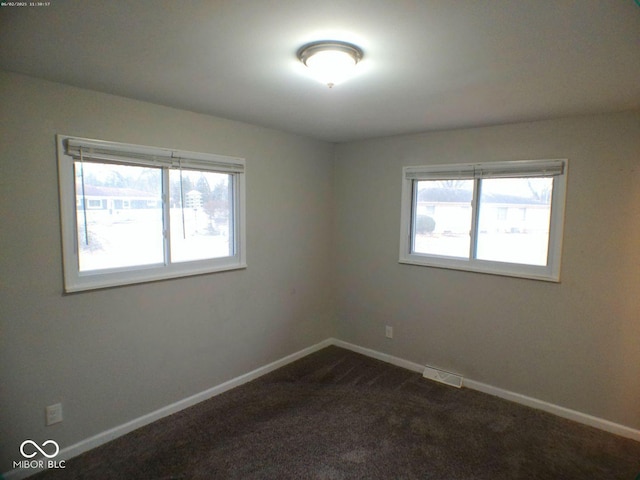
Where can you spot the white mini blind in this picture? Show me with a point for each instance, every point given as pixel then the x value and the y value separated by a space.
pixel 113 152
pixel 440 172
pixel 513 169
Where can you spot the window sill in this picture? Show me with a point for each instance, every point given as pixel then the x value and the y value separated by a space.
pixel 93 281
pixel 530 272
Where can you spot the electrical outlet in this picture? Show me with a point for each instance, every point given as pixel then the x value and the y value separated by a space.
pixel 388 331
pixel 53 414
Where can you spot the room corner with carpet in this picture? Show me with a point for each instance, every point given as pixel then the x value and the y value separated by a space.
pixel 337 414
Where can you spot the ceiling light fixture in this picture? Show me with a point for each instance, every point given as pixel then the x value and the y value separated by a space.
pixel 331 62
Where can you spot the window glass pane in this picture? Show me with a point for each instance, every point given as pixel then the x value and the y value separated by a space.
pixel 442 217
pixel 513 222
pixel 118 215
pixel 201 215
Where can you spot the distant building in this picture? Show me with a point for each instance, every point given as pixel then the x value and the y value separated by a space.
pixel 193 199
pixel 114 199
pixel 500 213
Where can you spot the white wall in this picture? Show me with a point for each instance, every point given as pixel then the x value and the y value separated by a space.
pixel 113 355
pixel 575 344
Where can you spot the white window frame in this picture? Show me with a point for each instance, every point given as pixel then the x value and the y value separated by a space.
pixel 556 168
pixel 69 149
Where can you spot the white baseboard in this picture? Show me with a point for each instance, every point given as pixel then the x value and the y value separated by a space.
pixel 108 435
pixel 586 419
pixel 385 357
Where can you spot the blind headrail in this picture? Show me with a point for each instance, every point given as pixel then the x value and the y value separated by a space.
pixel 113 152
pixel 511 169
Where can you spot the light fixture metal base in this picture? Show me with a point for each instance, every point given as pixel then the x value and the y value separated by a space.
pixel 310 49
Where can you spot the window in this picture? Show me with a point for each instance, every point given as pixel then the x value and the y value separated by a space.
pixel 133 214
pixel 504 218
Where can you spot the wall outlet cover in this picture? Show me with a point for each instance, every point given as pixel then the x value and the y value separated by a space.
pixel 53 414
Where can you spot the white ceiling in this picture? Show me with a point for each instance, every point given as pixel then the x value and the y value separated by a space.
pixel 428 65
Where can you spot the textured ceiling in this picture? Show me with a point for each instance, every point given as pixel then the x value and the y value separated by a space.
pixel 429 64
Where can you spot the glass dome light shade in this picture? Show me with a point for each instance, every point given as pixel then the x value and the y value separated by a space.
pixel 330 62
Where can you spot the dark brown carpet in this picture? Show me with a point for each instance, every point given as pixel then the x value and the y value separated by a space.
pixel 339 415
